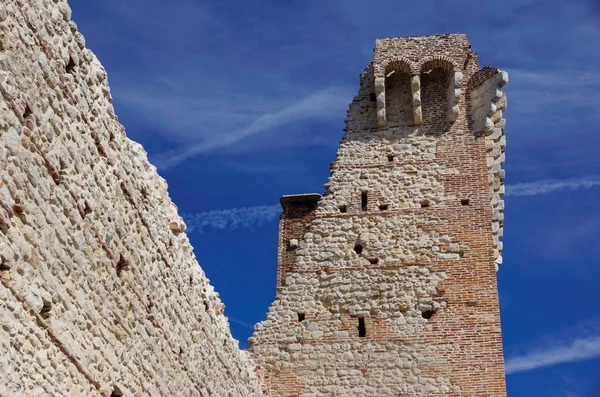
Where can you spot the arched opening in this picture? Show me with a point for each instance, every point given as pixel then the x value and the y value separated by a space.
pixel 434 97
pixel 436 76
pixel 398 95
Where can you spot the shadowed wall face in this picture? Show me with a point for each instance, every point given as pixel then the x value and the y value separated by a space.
pixel 100 291
pixel 390 287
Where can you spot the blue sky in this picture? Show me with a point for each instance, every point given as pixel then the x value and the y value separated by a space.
pixel 239 102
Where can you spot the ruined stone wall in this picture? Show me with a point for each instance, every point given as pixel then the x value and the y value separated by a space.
pixel 100 291
pixel 391 288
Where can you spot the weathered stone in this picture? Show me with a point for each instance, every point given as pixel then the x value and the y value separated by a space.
pixel 151 320
pixel 365 300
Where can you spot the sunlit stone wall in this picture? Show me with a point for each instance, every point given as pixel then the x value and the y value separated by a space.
pixel 100 291
pixel 387 283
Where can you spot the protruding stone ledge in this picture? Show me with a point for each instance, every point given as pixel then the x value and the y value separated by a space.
pixel 299 204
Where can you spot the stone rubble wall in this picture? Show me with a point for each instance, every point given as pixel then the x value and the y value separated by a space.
pixel 100 291
pixel 387 239
pixel 325 346
pixel 414 264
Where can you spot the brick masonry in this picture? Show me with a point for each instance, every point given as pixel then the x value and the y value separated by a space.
pixel 387 283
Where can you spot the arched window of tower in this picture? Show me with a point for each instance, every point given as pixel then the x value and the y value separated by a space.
pixel 398 101
pixel 440 86
pixel 434 98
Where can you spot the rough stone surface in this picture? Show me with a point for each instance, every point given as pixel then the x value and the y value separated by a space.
pixel 386 285
pixel 100 291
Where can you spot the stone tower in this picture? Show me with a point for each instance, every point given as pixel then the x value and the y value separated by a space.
pixel 386 285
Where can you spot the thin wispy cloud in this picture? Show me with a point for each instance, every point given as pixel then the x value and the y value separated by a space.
pixel 549 186
pixel 240 322
pixel 557 80
pixel 182 117
pixel 322 104
pixel 535 91
pixel 578 349
pixel 249 217
pixel 245 217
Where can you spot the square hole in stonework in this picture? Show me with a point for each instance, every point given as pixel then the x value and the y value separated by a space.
pixel 116 392
pixel 427 314
pixel 373 261
pixel 301 316
pixel 390 157
pixel 46 308
pixel 383 207
pixel 362 330
pixel 70 68
pixel 122 265
pixel 27 112
pixel 373 97
pixel 292 244
pixel 363 201
pixel 358 249
pixel 464 202
pixel 343 208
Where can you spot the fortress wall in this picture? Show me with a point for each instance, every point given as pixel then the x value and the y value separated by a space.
pixel 100 291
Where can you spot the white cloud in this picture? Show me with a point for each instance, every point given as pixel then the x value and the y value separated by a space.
pixel 321 104
pixel 575 350
pixel 549 186
pixel 233 218
pixel 249 217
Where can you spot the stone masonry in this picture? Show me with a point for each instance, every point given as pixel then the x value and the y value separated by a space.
pixel 386 285
pixel 100 292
